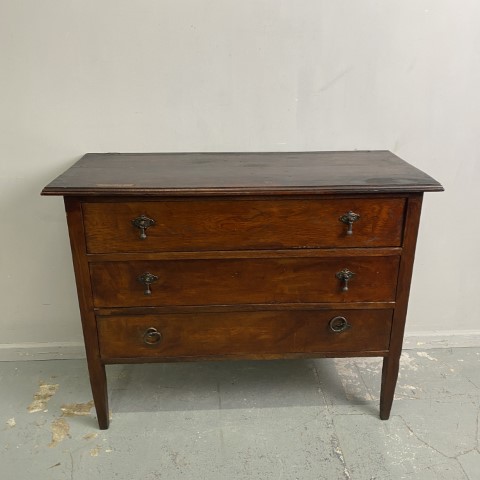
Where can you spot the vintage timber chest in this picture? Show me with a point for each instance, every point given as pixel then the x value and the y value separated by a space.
pixel 204 256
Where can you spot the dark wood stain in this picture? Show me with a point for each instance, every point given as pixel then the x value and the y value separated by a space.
pixel 243 333
pixel 272 280
pixel 162 174
pixel 226 225
pixel 246 247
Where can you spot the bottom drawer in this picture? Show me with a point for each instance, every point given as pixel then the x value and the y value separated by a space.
pixel 244 333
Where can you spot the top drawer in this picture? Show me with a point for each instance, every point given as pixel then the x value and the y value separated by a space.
pixel 241 224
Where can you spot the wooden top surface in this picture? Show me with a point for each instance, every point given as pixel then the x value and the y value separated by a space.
pixel 161 174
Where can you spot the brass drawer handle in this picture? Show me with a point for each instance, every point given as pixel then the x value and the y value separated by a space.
pixel 147 279
pixel 339 324
pixel 349 219
pixel 345 276
pixel 142 223
pixel 152 336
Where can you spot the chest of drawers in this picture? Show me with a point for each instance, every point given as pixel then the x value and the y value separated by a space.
pixel 242 256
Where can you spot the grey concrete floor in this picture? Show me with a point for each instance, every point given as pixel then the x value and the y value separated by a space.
pixel 298 419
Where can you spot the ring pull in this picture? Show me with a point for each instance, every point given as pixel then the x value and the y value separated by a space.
pixel 152 336
pixel 339 324
pixel 147 279
pixel 142 223
pixel 349 219
pixel 345 276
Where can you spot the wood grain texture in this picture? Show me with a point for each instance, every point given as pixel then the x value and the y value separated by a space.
pixel 243 333
pixel 245 356
pixel 198 174
pixel 246 247
pixel 233 281
pixel 204 225
pixel 217 254
pixel 246 307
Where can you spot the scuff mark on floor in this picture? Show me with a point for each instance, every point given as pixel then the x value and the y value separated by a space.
pixel 122 374
pixel 90 436
pixel 53 466
pixel 11 422
pixel 351 381
pixel 60 431
pixel 420 439
pixel 45 392
pixel 76 409
pixel 72 465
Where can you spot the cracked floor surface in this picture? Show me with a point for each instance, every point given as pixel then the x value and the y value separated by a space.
pixel 297 419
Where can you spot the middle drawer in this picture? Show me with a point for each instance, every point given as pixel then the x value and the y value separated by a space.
pixel 246 280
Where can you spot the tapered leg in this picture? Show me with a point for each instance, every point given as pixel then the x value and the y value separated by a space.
pixel 98 381
pixel 96 369
pixel 391 363
pixel 389 381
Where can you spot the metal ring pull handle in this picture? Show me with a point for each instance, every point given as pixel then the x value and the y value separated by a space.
pixel 349 219
pixel 339 324
pixel 142 223
pixel 345 276
pixel 152 336
pixel 147 279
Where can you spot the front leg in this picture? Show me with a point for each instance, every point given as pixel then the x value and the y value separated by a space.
pixel 389 380
pixel 98 382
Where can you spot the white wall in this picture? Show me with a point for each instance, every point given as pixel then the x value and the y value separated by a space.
pixel 210 75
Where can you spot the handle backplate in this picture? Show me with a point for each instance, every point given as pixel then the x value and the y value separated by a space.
pixel 349 219
pixel 142 223
pixel 147 279
pixel 345 276
pixel 339 324
pixel 152 336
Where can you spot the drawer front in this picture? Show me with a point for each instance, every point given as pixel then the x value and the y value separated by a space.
pixel 240 281
pixel 243 333
pixel 242 224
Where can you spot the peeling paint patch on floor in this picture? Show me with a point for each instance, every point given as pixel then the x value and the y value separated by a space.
pixel 94 452
pixel 76 409
pixel 11 422
pixel 408 363
pixel 371 364
pixel 45 392
pixel 432 434
pixel 60 431
pixel 337 450
pixel 426 355
pixel 408 389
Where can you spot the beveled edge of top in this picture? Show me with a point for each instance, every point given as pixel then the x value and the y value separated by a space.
pixel 424 183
